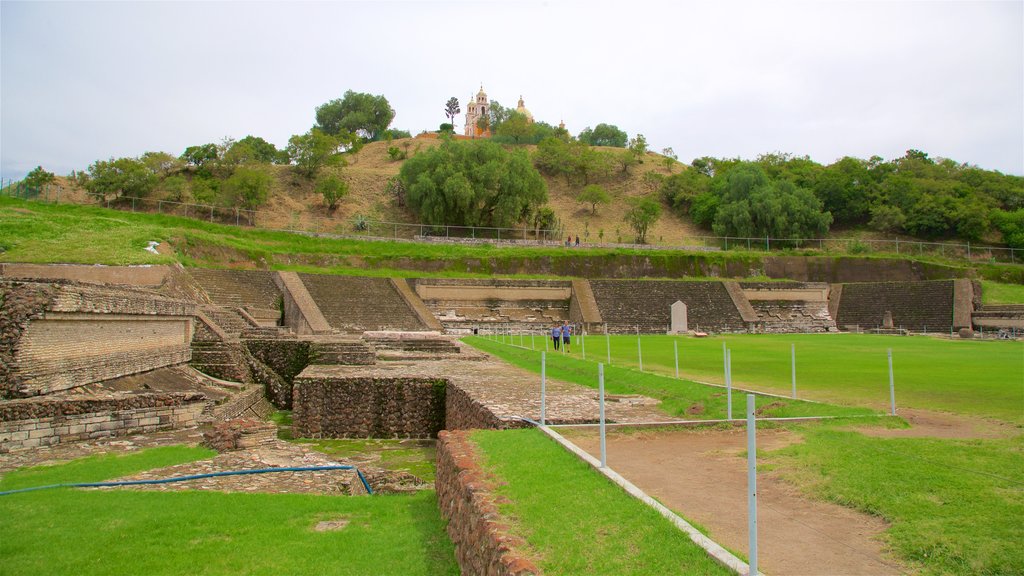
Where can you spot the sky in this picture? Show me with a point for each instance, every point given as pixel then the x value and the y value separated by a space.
pixel 81 81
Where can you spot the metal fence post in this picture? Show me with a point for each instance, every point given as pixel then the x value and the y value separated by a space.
pixel 752 484
pixel 675 348
pixel 792 353
pixel 543 385
pixel 728 384
pixel 892 387
pixel 600 386
pixel 608 343
pixel 639 349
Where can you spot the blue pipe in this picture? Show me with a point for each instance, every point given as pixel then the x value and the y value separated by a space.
pixel 195 477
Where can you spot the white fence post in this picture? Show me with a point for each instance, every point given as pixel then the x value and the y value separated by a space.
pixel 728 384
pixel 639 349
pixel 792 353
pixel 543 386
pixel 675 347
pixel 892 387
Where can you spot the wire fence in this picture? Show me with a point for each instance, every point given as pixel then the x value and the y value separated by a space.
pixel 370 229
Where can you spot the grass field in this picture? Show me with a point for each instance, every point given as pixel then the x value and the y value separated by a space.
pixel 956 506
pixel 67 531
pixel 1000 293
pixel 575 520
pixel 679 398
pixel 981 378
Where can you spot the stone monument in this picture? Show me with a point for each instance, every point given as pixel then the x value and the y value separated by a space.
pixel 679 318
pixel 887 320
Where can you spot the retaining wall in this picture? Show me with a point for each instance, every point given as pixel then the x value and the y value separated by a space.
pixel 33 422
pixel 484 543
pixel 58 336
pixel 354 304
pixel 327 406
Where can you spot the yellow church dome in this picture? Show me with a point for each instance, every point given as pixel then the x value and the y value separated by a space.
pixel 521 108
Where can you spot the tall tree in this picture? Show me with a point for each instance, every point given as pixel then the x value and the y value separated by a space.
pixel 641 216
pixel 362 114
pixel 452 109
pixel 594 194
pixel 638 146
pixel 604 135
pixel 126 177
pixel 312 151
pixel 475 183
pixel 516 128
pixel 248 187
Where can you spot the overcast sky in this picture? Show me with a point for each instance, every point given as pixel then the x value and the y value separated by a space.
pixel 84 81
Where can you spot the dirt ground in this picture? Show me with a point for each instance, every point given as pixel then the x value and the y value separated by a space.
pixel 701 475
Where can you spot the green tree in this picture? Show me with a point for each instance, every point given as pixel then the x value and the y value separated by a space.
pixel 846 188
pixel 332 189
pixel 497 115
pixel 1011 225
pixel 174 187
pixel 312 151
pixel 452 109
pixel 38 178
pixel 680 190
pixel 125 177
pixel 161 162
pixel 638 146
pixel 604 135
pixel 887 218
pixel 248 187
pixel 594 194
pixel 751 205
pixel 362 114
pixel 515 128
pixel 643 213
pixel 255 149
pixel 476 183
pixel 626 159
pixel 669 158
pixel 395 133
pixel 200 155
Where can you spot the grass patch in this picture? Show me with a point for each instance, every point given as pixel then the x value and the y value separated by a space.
pixel 679 398
pixel 196 532
pixel 999 293
pixel 955 505
pixel 416 457
pixel 980 378
pixel 221 533
pixel 103 467
pixel 577 521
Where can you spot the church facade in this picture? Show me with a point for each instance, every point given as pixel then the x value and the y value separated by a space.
pixel 478 115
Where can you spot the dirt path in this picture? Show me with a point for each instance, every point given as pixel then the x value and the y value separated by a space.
pixel 700 475
pixel 929 424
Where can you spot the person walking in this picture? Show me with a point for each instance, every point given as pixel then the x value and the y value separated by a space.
pixel 566 336
pixel 556 332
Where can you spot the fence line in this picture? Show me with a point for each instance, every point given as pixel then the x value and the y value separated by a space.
pixel 361 227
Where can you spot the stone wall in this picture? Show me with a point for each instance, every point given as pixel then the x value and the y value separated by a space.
pixel 625 304
pixel 914 305
pixel 147 275
pixel 84 334
pixel 362 407
pixel 484 543
pixel 285 359
pixel 44 421
pixel 462 412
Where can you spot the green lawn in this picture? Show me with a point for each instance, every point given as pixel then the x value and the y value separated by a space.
pixel 1000 293
pixel 123 531
pixel 956 506
pixel 575 520
pixel 679 398
pixel 962 376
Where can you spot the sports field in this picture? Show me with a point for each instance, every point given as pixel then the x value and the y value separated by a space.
pixel 981 378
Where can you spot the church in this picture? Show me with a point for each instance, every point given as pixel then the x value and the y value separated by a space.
pixel 478 115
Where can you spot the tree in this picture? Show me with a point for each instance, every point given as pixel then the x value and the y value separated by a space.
pixel 594 194
pixel 362 114
pixel 604 135
pixel 125 177
pixel 680 190
pixel 751 205
pixel 641 216
pixel 200 155
pixel 497 115
pixel 255 149
pixel 638 146
pixel 887 218
pixel 333 189
pixel 312 151
pixel 160 162
pixel 452 109
pixel 38 178
pixel 395 134
pixel 626 159
pixel 845 188
pixel 248 187
pixel 474 183
pixel 516 128
pixel 669 158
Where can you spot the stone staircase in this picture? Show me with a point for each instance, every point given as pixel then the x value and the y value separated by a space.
pixel 914 305
pixel 227 319
pixel 238 288
pixel 219 359
pixel 999 316
pixel 628 304
pixel 355 305
pixel 345 352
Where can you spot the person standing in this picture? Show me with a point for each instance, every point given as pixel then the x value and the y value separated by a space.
pixel 556 332
pixel 566 335
pixel 577 240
